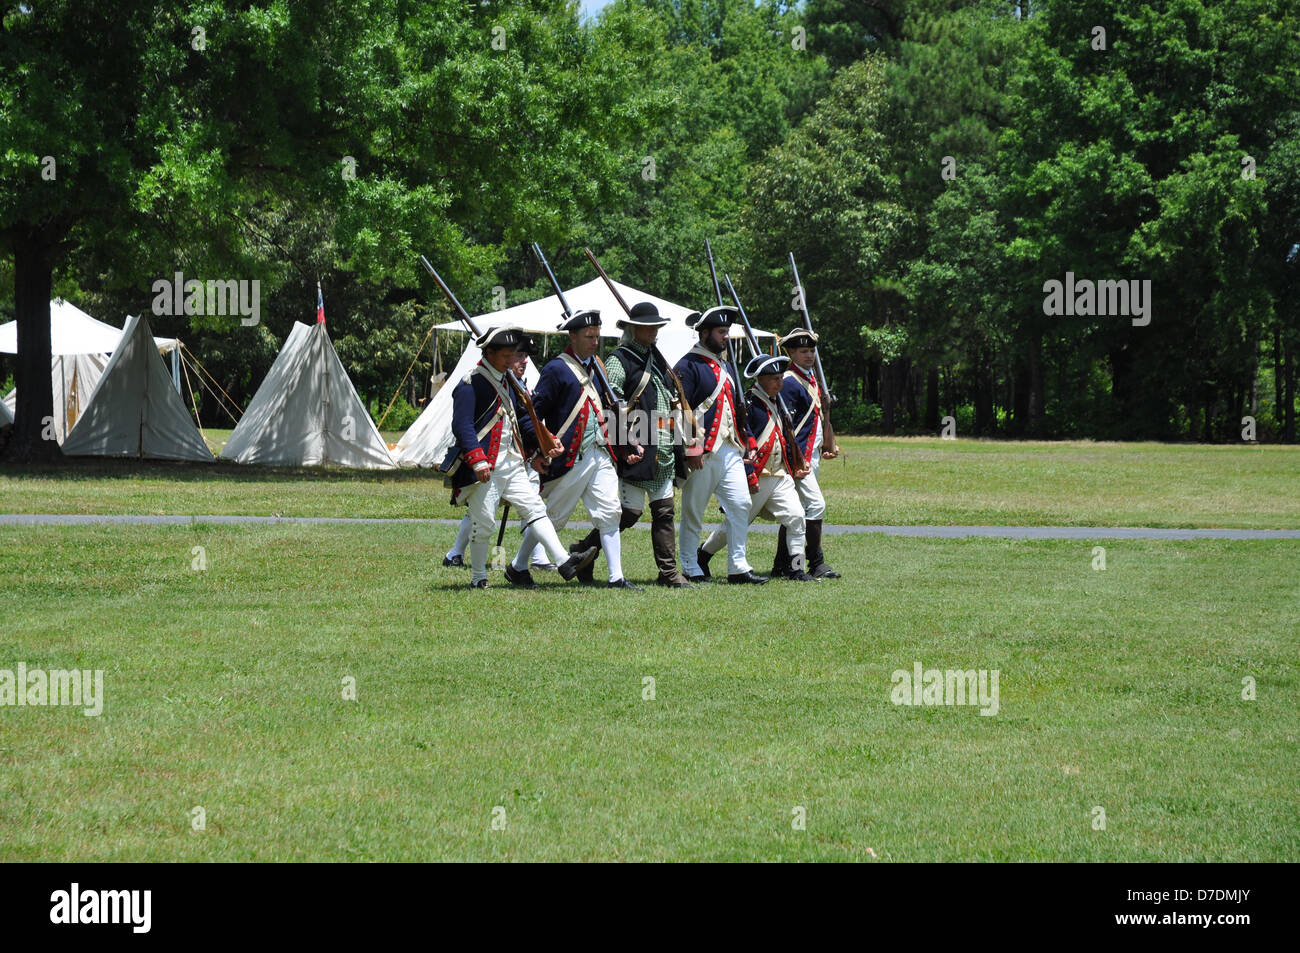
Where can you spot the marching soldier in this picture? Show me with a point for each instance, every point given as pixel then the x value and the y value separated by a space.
pixel 568 402
pixel 770 482
pixel 491 440
pixel 803 396
pixel 456 555
pixel 712 386
pixel 639 377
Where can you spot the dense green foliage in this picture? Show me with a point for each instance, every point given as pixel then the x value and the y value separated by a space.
pixel 1169 154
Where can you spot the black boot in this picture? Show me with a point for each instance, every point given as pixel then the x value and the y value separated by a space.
pixel 818 568
pixel 781 565
pixel 663 540
pixel 592 539
pixel 703 558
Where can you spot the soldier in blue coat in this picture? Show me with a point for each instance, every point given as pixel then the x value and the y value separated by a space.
pixel 802 395
pixel 494 438
pixel 571 402
pixel 713 389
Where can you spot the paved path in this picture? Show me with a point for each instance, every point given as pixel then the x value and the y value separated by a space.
pixel 941 532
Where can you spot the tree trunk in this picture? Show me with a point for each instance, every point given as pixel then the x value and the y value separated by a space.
pixel 887 389
pixel 932 399
pixel 1288 396
pixel 1278 376
pixel 33 280
pixel 1034 409
pixel 984 419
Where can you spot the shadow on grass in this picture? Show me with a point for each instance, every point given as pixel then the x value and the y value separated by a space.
pixel 109 468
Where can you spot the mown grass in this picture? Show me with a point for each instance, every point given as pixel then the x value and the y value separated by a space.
pixel 1119 689
pixel 905 480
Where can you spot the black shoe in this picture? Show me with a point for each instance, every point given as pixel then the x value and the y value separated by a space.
pixel 748 576
pixel 457 561
pixel 703 558
pixel 481 584
pixel 824 571
pixel 580 560
pixel 624 584
pixel 779 571
pixel 798 575
pixel 519 578
pixel 698 580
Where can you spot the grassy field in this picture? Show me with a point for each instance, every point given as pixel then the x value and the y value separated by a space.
pixel 883 480
pixel 1119 689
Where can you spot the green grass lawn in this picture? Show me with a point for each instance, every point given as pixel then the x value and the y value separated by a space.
pixel 1118 689
pixel 883 480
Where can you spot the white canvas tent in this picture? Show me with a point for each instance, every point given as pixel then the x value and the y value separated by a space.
pixel 426 443
pixel 5 416
pixel 134 410
pixel 307 413
pixel 79 348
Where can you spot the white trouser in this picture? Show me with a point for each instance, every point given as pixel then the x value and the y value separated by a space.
pixel 509 481
pixel 723 474
pixel 593 481
pixel 777 499
pixel 810 491
pixel 634 497
pixel 466 524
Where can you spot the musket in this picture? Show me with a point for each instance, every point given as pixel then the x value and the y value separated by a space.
pixel 798 463
pixel 731 355
pixel 688 415
pixel 828 432
pixel 546 441
pixel 607 395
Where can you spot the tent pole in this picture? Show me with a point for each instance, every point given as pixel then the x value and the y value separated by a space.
pixel 63 373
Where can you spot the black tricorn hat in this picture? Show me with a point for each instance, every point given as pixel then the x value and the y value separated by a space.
pixel 767 364
pixel 586 318
pixel 799 337
pixel 504 336
pixel 720 317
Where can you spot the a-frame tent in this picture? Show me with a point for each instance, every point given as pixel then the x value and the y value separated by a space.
pixel 307 413
pixel 134 410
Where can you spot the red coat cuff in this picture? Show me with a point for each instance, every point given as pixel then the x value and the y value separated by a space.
pixel 475 456
pixel 753 444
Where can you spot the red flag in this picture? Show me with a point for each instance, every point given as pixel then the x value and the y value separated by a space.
pixel 320 305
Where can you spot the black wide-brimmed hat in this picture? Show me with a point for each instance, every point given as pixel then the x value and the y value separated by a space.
pixel 723 316
pixel 767 364
pixel 643 315
pixel 504 336
pixel 586 318
pixel 799 337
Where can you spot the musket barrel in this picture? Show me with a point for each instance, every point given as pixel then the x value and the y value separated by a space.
pixel 807 323
pixel 559 292
pixel 456 305
pixel 713 272
pixel 752 338
pixel 608 282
